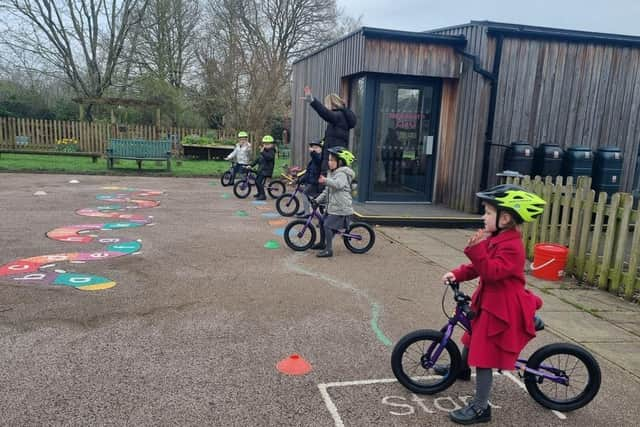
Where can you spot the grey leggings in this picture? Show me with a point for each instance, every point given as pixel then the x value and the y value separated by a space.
pixel 484 381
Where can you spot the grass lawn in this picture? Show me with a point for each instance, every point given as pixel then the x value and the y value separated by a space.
pixel 84 165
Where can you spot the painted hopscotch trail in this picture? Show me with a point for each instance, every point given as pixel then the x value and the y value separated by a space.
pixel 41 269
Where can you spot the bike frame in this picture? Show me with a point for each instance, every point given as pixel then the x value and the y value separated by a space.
pixel 461 318
pixel 316 214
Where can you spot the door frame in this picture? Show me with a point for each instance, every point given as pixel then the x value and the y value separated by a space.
pixel 372 94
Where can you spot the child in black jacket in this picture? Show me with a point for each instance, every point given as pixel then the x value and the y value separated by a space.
pixel 265 162
pixel 310 178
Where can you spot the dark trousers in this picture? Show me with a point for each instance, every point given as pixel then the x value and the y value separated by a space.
pixel 332 223
pixel 238 168
pixel 260 180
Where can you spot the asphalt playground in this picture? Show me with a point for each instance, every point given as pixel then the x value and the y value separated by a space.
pixel 201 314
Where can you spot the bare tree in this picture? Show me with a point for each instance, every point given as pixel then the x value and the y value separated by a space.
pixel 166 46
pixel 252 44
pixel 80 41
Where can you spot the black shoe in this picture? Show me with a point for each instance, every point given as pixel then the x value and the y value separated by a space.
pixel 255 196
pixel 324 254
pixel 463 374
pixel 261 198
pixel 470 414
pixel 318 247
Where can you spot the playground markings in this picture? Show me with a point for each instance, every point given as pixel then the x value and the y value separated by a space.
pixel 333 409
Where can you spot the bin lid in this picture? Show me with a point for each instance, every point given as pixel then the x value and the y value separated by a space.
pixel 610 149
pixel 579 148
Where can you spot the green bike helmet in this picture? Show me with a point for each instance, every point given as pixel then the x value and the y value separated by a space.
pixel 524 205
pixel 267 139
pixel 343 154
pixel 243 134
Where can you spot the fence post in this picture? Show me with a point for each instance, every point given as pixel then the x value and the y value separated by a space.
pixel 587 216
pixel 603 279
pixel 595 242
pixel 555 210
pixel 547 191
pixel 630 278
pixel 575 225
pixel 566 210
pixel 535 225
pixel 618 264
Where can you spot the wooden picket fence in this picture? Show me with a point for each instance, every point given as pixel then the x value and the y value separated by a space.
pixel 603 236
pixel 91 137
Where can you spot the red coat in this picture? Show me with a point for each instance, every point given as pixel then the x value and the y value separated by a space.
pixel 504 324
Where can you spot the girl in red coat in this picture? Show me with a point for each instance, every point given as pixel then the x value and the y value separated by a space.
pixel 504 308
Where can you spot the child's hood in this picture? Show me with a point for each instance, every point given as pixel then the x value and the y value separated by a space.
pixel 347 171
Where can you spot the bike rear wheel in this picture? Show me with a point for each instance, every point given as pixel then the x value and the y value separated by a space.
pixel 225 179
pixel 276 188
pixel 287 205
pixel 571 362
pixel 413 362
pixel 242 189
pixel 366 241
pixel 298 236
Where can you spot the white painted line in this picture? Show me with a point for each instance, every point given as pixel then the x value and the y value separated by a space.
pixel 522 386
pixel 333 410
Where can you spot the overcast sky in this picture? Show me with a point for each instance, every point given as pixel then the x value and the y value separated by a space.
pixel 606 16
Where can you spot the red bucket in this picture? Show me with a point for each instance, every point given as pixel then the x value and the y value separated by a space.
pixel 549 261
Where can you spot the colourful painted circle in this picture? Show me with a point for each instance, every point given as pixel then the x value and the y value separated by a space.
pixel 241 213
pixel 125 247
pixel 270 215
pixel 259 202
pixel 226 196
pixel 279 232
pixel 84 281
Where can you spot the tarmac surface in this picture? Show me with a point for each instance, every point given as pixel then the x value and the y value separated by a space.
pixel 199 318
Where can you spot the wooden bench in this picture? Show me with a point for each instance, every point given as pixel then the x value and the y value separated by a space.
pixel 94 156
pixel 138 150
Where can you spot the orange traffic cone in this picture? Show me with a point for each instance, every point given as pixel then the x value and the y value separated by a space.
pixel 294 365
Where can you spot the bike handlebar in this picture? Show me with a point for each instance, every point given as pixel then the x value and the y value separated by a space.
pixel 461 298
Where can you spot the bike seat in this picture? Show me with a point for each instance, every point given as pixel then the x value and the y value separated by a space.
pixel 538 323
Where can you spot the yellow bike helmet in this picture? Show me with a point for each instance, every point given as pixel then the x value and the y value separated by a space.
pixel 343 154
pixel 243 134
pixel 267 139
pixel 524 205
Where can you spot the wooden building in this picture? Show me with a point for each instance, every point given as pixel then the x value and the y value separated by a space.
pixel 437 109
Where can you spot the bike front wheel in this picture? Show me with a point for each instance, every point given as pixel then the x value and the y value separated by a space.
pixel 225 179
pixel 361 238
pixel 242 189
pixel 298 236
pixel 417 366
pixel 287 205
pixel 276 188
pixel 573 364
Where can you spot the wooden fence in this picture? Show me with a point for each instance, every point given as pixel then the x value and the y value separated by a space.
pixel 91 137
pixel 603 236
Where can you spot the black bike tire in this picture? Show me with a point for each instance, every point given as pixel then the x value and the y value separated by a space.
pixel 372 240
pixel 238 192
pixel 292 245
pixel 590 390
pixel 281 205
pixel 225 179
pixel 276 188
pixel 425 335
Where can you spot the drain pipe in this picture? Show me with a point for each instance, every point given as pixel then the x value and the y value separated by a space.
pixel 493 81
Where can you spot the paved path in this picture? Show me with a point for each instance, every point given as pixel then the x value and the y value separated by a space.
pixel 193 329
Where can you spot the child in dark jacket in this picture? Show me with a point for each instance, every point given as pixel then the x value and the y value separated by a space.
pixel 310 178
pixel 265 162
pixel 505 308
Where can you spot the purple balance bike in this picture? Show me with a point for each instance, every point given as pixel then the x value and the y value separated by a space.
pixel 301 234
pixel 559 376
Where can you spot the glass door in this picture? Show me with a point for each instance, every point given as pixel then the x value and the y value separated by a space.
pixel 404 141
